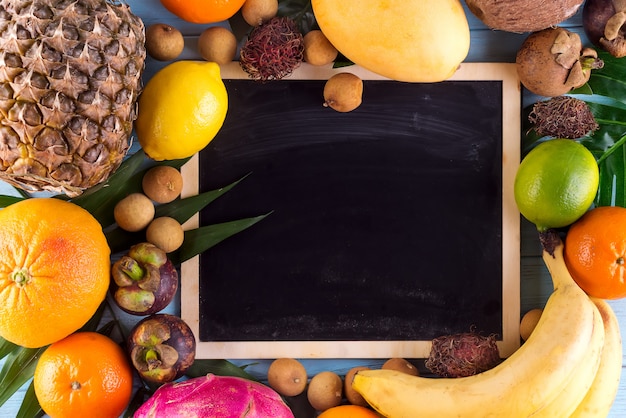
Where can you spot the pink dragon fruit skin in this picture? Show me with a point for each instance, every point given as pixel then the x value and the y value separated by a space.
pixel 215 397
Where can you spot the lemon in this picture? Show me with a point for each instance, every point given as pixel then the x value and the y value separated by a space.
pixel 181 109
pixel 556 183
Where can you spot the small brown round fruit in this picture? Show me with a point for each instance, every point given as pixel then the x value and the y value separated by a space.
pixel 529 322
pixel 325 390
pixel 401 365
pixel 134 212
pixel 343 92
pixel 166 233
pixel 317 48
pixel 352 395
pixel 217 44
pixel 164 42
pixel 287 376
pixel 256 12
pixel 162 183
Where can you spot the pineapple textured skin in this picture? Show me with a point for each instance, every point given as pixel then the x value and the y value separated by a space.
pixel 70 76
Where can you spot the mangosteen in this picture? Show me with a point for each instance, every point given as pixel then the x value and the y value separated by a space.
pixel 552 62
pixel 144 280
pixel 603 23
pixel 161 347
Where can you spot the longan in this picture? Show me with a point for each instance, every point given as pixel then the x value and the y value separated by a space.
pixel 134 212
pixel 352 395
pixel 317 48
pixel 162 183
pixel 325 390
pixel 287 376
pixel 164 42
pixel 401 365
pixel 166 233
pixel 256 12
pixel 217 44
pixel 529 322
pixel 343 92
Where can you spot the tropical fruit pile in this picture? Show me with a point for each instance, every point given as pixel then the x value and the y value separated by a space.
pixel 72 93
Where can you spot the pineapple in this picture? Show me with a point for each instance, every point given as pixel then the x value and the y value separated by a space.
pixel 70 74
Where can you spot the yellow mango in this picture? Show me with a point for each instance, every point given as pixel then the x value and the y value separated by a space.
pixel 404 40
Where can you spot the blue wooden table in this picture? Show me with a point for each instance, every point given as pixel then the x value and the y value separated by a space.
pixel 486 46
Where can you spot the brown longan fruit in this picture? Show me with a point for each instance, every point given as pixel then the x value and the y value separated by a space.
pixel 134 212
pixel 529 322
pixel 343 92
pixel 217 44
pixel 325 390
pixel 287 376
pixel 255 12
pixel 352 395
pixel 164 42
pixel 317 48
pixel 166 233
pixel 162 183
pixel 400 365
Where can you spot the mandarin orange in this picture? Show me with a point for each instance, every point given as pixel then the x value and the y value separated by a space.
pixel 595 252
pixel 348 411
pixel 84 375
pixel 54 270
pixel 203 11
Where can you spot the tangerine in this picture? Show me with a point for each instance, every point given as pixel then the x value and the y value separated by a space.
pixel 203 11
pixel 54 270
pixel 595 252
pixel 84 375
pixel 348 411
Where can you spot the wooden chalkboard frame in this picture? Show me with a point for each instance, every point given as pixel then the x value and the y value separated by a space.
pixel 507 343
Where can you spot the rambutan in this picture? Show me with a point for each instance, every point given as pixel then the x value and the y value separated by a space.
pixel 273 50
pixel 563 117
pixel 461 355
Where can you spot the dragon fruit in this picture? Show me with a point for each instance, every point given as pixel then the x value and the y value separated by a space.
pixel 216 397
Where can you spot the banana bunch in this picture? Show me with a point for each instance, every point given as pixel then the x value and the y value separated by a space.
pixel 570 366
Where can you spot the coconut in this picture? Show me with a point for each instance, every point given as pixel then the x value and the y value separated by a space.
pixel 521 16
pixel 464 354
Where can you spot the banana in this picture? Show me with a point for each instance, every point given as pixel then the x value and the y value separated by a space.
pixel 599 399
pixel 529 380
pixel 581 379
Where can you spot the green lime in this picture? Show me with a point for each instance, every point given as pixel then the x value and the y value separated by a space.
pixel 556 183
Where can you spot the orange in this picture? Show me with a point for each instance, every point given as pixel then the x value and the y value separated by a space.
pixel 203 11
pixel 54 270
pixel 348 411
pixel 84 375
pixel 595 252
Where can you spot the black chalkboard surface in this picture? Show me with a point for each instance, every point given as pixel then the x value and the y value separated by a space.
pixel 387 222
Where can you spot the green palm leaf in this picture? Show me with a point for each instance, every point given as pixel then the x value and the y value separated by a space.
pixel 18 368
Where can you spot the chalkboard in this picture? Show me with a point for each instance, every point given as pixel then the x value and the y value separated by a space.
pixel 389 225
